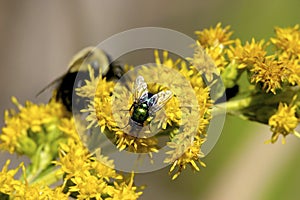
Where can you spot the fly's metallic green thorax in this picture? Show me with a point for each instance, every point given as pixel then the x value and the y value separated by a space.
pixel 140 112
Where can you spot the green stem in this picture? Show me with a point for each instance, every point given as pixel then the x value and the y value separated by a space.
pixel 49 177
pixel 263 99
pixel 231 106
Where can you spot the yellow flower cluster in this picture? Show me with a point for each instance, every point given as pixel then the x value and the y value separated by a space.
pixel 206 64
pixel 284 121
pixel 275 74
pixel 136 145
pixel 184 156
pixel 287 40
pixel 106 95
pixel 269 71
pixel 47 133
pixel 98 90
pixel 20 127
pixel 214 41
pixel 216 36
pixel 10 188
pixel 188 151
pixel 247 55
pixel 50 126
pixel 87 176
pixel 100 114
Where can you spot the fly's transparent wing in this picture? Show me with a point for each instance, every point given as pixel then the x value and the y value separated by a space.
pixel 140 90
pixel 157 101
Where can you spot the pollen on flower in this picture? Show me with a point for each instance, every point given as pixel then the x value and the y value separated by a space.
pixel 134 144
pixel 30 118
pixel 88 90
pixel 190 154
pixel 287 40
pixel 166 60
pixel 186 145
pixel 215 36
pixel 101 113
pixel 88 176
pixel 16 189
pixel 67 126
pixel 63 148
pixel 204 63
pixel 284 121
pixel 124 191
pixel 292 69
pixel 214 42
pixel 96 84
pixel 269 73
pixel 98 91
pixel 247 55
pixel 88 186
pixel 38 191
pixel 218 56
pixel 103 109
pixel 7 180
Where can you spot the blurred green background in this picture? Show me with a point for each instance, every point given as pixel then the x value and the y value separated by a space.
pixel 39 37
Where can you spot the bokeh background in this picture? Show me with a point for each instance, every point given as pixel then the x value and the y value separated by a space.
pixel 37 39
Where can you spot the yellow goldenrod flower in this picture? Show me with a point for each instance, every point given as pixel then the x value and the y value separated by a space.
pixel 88 186
pixel 134 144
pixel 8 184
pixel 102 104
pixel 205 64
pixel 31 119
pixel 102 167
pixel 172 114
pixel 247 55
pixel 190 155
pixel 87 176
pixel 39 192
pixel 288 40
pixel 73 159
pixel 67 126
pixel 124 191
pixel 218 58
pixel 268 72
pixel 213 37
pixel 62 147
pixel 100 114
pixel 188 151
pixel 15 189
pixel 99 109
pixel 166 60
pixel 88 90
pixel 108 107
pixel 214 42
pixel 291 69
pixel 59 194
pixel 284 121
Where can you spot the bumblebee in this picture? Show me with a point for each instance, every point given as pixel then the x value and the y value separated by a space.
pixel 78 66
